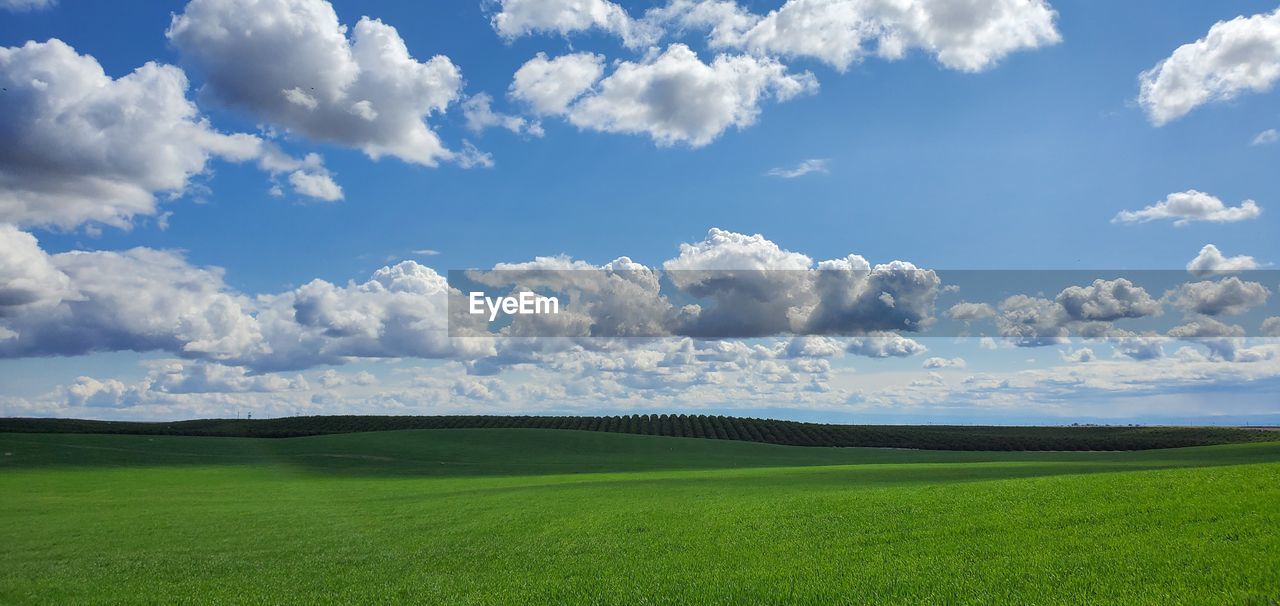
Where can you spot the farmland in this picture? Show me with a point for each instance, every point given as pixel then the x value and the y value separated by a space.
pixel 478 516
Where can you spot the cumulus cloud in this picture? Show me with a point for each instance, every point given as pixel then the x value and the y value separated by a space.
pixel 516 18
pixel 87 148
pixel 1032 321
pixel 753 283
pixel 1270 327
pixel 745 285
pixel 179 377
pixel 1078 356
pixel 1237 56
pixel 155 300
pixel 1137 347
pixel 733 286
pixel 550 85
pixel 813 347
pixel 754 287
pixel 401 311
pixel 1223 340
pixel 81 146
pixel 934 363
pixel 1086 311
pixel 27 275
pixel 969 36
pixel 618 299
pixel 139 299
pixel 672 96
pixel 170 379
pixel 853 297
pixel 1229 296
pixel 1188 206
pixel 1106 301
pixel 331 378
pixel 479 114
pixel 969 312
pixel 151 300
pixel 884 345
pixel 111 393
pixel 1211 260
pixel 315 185
pixel 815 165
pixel 291 63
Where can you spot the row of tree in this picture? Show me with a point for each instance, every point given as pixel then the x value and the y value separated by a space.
pixel 771 431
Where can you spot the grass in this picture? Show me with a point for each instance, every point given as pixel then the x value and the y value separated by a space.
pixel 515 516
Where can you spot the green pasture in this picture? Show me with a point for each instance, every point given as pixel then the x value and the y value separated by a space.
pixel 540 516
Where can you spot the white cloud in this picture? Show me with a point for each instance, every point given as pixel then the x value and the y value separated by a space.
pixel 725 250
pixel 753 287
pixel 852 297
pixel 813 347
pixel 758 282
pixel 934 363
pixel 1270 327
pixel 290 62
pixel 1032 321
pixel 671 96
pixel 150 300
pixel 153 300
pixel 471 157
pixel 1137 347
pixel 478 111
pixel 517 18
pixel 1188 206
pixel 1237 56
pixel 1230 296
pixel 84 147
pixel 550 85
pixel 401 311
pixel 1107 300
pixel 139 299
pixel 27 275
pixel 1076 310
pixel 1102 388
pixel 813 165
pixel 1211 260
pixel 1078 356
pixel 969 312
pixel 966 36
pixel 179 377
pixel 1223 340
pixel 112 393
pixel 231 343
pixel 1266 137
pixel 21 6
pixel 884 345
pixel 315 185
pixel 331 378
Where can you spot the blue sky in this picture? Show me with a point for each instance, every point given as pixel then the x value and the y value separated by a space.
pixel 1021 165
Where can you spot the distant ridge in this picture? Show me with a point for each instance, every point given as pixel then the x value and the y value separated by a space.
pixel 769 431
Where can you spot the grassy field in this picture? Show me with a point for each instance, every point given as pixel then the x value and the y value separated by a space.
pixel 544 516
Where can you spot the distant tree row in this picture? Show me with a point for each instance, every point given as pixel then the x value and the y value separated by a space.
pixel 770 431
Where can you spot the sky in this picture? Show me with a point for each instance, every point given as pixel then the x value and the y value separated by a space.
pixel 226 206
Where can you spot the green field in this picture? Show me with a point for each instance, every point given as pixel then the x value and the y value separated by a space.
pixel 532 516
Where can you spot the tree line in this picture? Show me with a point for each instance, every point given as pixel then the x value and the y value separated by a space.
pixel 717 427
